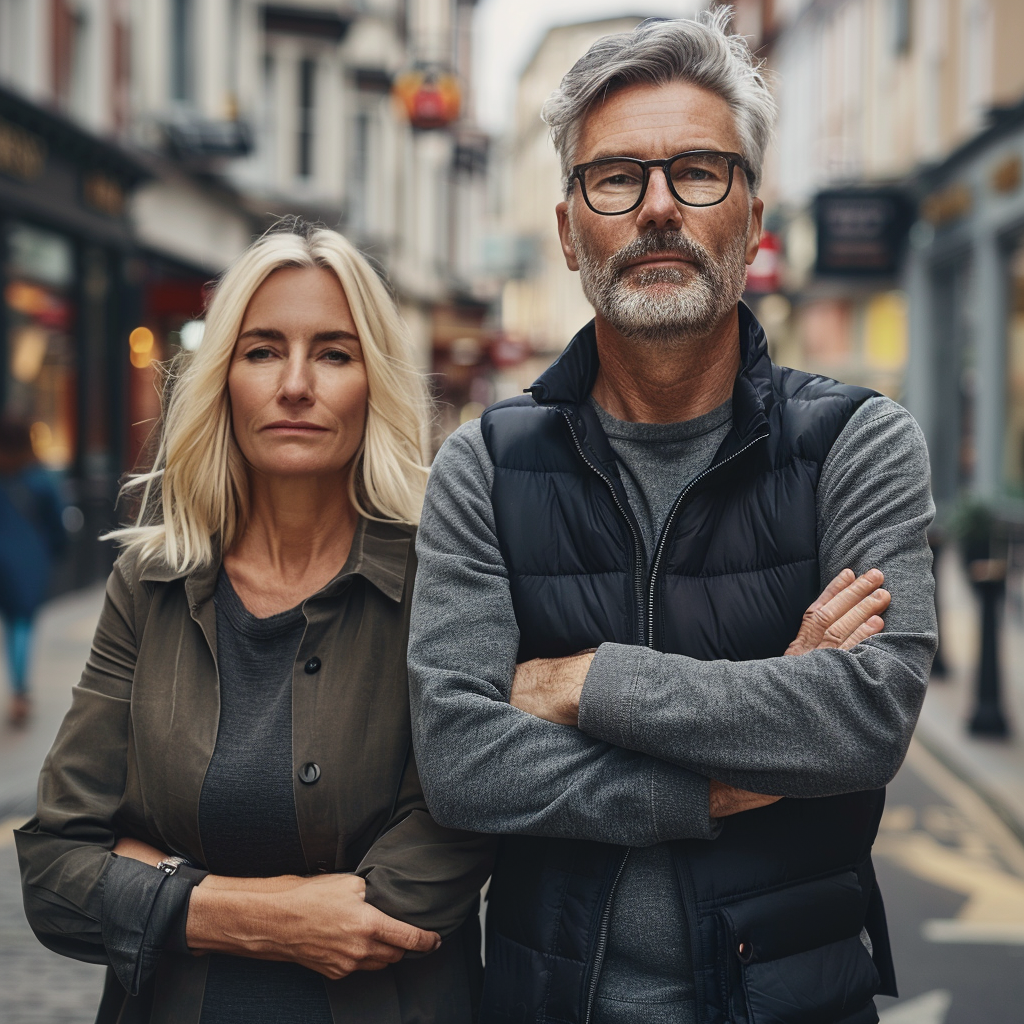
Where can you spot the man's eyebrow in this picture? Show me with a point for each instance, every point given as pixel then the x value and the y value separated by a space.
pixel 273 334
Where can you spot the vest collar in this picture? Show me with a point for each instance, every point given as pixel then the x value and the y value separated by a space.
pixel 570 378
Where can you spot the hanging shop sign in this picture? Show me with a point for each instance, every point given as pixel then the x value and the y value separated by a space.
pixel 861 232
pixel 430 97
pixel 764 275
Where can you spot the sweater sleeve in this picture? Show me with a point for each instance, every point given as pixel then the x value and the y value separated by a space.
pixel 484 764
pixel 827 722
pixel 82 900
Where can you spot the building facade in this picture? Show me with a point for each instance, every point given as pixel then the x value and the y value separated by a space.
pixel 145 143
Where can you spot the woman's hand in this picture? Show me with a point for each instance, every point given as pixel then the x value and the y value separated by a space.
pixel 847 611
pixel 323 923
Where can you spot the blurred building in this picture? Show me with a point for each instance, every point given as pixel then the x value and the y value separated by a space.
pixel 144 143
pixel 893 191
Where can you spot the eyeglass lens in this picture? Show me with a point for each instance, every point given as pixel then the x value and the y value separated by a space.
pixel 697 179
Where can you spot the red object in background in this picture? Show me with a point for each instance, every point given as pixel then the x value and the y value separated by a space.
pixel 765 273
pixel 430 98
pixel 176 297
pixel 506 352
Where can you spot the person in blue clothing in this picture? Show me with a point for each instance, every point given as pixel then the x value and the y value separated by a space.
pixel 31 535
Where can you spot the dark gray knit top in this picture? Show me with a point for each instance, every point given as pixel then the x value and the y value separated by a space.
pixel 247 816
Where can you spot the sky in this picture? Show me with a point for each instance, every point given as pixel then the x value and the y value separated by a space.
pixel 508 31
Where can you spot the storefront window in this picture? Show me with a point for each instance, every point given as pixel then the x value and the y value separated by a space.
pixel 42 381
pixel 1013 442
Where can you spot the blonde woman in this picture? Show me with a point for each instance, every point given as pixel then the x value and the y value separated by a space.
pixel 230 816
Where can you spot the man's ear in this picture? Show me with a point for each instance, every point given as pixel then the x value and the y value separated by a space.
pixel 754 230
pixel 565 235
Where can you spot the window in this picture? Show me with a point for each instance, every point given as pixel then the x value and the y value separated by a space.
pixel 1013 439
pixel 41 385
pixel 307 110
pixel 182 16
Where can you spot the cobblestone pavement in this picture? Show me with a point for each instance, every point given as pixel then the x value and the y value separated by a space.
pixel 36 985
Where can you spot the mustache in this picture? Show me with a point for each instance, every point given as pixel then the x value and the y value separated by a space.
pixel 660 242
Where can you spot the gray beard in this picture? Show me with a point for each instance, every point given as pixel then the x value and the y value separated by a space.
pixel 703 296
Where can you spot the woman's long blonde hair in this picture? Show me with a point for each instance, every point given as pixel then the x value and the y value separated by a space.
pixel 195 499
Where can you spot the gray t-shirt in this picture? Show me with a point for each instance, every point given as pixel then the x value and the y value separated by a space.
pixel 647 976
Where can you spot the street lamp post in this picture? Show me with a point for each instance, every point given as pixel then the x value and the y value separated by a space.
pixel 988 576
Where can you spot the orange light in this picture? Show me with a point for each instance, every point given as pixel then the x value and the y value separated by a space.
pixel 141 340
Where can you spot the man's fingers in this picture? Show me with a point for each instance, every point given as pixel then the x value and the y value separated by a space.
pixel 872 605
pixel 873 626
pixel 852 595
pixel 837 586
pixel 405 936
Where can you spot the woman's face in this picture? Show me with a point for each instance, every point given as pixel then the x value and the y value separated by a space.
pixel 297 380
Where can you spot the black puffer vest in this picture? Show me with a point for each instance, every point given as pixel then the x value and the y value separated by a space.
pixel 775 904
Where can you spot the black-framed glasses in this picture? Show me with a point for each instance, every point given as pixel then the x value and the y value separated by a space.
pixel 618 184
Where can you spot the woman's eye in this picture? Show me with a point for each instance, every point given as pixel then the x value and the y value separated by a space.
pixel 336 355
pixel 258 355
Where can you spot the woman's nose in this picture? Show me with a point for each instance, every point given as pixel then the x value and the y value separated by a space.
pixel 297 384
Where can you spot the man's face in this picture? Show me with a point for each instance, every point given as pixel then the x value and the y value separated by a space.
pixel 664 272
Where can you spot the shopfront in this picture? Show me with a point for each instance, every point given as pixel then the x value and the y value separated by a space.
pixel 70 293
pixel 965 381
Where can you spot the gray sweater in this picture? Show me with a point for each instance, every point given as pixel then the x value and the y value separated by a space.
pixel 654 727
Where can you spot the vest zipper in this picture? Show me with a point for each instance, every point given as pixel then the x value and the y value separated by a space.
pixel 602 940
pixel 655 565
pixel 638 558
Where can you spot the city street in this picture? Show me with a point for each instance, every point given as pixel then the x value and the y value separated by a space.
pixel 951 871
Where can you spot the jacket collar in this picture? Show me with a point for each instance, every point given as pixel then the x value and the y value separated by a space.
pixel 570 378
pixel 380 554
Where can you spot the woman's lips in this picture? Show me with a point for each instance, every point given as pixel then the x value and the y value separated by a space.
pixel 295 426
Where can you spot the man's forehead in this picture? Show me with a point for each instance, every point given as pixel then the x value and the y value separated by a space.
pixel 637 120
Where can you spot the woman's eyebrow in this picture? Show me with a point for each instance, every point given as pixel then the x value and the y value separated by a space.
pixel 273 334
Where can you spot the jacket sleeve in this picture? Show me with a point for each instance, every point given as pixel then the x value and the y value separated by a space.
pixel 82 900
pixel 823 723
pixel 486 765
pixel 420 872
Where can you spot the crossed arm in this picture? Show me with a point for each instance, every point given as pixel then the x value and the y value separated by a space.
pixel 637 769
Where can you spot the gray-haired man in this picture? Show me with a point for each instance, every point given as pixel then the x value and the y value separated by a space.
pixel 668 496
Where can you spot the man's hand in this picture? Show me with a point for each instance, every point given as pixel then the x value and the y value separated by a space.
pixel 550 688
pixel 847 611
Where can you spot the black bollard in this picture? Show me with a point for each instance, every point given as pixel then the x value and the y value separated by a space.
pixel 989 579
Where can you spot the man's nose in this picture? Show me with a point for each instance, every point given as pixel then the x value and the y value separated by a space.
pixel 660 209
pixel 297 382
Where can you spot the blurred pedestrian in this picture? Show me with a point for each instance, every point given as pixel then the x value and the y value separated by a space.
pixel 31 536
pixel 230 817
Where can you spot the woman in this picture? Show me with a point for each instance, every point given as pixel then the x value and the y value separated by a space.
pixel 31 536
pixel 235 776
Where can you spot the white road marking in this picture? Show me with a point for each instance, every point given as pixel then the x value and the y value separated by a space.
pixel 931 1008
pixel 994 933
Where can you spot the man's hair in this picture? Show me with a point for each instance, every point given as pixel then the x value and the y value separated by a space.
pixel 699 51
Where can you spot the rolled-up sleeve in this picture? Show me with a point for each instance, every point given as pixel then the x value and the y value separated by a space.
pixel 81 900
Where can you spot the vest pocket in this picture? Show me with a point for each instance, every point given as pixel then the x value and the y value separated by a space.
pixel 799 951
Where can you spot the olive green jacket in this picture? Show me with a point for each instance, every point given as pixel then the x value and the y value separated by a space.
pixel 132 753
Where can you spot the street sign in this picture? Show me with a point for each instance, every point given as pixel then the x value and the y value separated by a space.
pixel 861 232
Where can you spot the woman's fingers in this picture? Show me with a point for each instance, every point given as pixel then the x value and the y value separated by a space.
pixel 405 936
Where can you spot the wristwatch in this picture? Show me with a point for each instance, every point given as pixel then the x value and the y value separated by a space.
pixel 171 864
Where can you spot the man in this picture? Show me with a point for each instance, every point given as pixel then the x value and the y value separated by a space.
pixel 670 498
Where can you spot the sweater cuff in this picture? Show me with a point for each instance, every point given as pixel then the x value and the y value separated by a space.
pixel 680 804
pixel 606 701
pixel 141 906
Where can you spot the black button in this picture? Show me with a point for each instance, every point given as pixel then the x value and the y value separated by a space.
pixel 312 666
pixel 309 773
